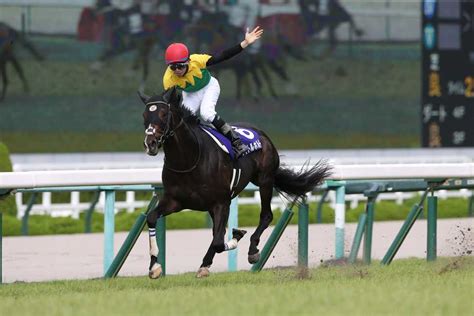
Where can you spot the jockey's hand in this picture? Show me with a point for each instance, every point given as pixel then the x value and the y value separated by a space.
pixel 251 37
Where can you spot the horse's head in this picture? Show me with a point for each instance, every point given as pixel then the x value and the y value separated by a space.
pixel 158 119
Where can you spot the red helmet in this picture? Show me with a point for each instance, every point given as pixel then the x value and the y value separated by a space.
pixel 176 53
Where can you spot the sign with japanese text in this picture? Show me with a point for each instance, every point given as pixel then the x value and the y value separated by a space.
pixel 447 113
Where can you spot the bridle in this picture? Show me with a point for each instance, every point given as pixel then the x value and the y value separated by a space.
pixel 169 133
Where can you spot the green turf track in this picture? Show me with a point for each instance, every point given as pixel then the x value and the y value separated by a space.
pixel 407 287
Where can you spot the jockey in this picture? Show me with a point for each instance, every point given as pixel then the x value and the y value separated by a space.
pixel 200 90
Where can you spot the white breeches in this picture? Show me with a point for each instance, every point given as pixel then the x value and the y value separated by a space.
pixel 203 102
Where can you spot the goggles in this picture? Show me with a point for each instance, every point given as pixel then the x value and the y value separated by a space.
pixel 178 66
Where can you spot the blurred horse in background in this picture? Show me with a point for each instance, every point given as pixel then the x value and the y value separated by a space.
pixel 135 29
pixel 319 15
pixel 8 37
pixel 213 32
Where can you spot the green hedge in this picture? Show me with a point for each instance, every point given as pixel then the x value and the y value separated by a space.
pixel 248 216
pixel 7 205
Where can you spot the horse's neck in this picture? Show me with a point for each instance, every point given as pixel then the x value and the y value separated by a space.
pixel 182 150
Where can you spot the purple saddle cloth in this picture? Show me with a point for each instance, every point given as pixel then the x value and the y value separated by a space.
pixel 248 136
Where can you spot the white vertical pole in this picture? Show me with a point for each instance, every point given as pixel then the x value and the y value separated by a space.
pixel 233 222
pixel 19 205
pixel 75 201
pixel 46 203
pixel 340 220
pixel 130 200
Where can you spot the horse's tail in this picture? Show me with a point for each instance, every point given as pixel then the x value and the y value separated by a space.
pixel 293 185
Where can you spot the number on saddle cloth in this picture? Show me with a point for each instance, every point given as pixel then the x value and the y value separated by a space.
pixel 248 136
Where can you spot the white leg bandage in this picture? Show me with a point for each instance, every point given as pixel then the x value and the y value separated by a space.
pixel 153 244
pixel 231 244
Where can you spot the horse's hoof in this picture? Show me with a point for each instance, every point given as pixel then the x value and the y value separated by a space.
pixel 254 258
pixel 155 271
pixel 203 272
pixel 238 233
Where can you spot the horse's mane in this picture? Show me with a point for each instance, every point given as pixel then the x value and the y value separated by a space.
pixel 188 116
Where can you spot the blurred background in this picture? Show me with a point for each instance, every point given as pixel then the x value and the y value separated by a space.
pixel 327 74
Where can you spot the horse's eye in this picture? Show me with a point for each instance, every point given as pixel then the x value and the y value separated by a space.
pixel 162 115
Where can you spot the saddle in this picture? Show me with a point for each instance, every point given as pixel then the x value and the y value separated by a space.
pixel 248 136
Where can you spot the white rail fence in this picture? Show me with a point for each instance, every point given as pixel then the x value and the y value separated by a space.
pixel 108 161
pixel 35 179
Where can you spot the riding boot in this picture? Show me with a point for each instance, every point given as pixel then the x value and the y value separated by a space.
pixel 238 147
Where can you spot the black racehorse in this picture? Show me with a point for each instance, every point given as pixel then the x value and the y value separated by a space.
pixel 8 38
pixel 198 175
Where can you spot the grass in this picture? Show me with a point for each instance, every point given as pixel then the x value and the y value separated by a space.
pixel 406 287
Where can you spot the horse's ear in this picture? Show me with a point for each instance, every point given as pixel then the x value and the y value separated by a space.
pixel 171 95
pixel 143 97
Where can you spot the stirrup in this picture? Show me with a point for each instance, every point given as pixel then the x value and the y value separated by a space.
pixel 239 149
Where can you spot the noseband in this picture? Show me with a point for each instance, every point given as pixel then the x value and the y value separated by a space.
pixel 168 131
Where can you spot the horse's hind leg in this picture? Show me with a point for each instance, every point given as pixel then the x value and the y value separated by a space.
pixel 165 207
pixel 266 217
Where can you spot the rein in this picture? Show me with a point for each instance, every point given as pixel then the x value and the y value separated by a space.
pixel 170 133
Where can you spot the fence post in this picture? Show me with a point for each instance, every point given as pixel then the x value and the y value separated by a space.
pixel 161 241
pixel 340 219
pixel 26 215
pixel 319 212
pixel 369 228
pixel 410 220
pixel 358 237
pixel 273 239
pixel 432 222
pixel 130 241
pixel 109 229
pixel 233 222
pixel 303 223
pixel 88 215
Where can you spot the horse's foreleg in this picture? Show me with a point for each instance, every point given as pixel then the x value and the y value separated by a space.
pixel 203 271
pixel 164 208
pixel 266 217
pixel 20 72
pixel 219 215
pixel 268 80
pixel 257 81
pixel 3 70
